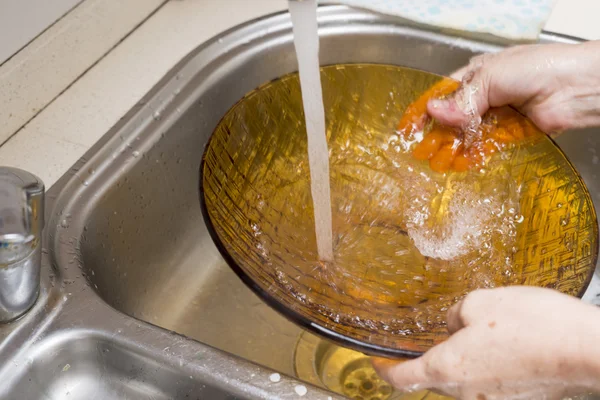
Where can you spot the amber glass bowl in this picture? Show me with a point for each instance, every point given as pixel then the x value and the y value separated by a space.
pixel 408 241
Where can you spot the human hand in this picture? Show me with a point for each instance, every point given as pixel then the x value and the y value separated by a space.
pixel 508 343
pixel 556 85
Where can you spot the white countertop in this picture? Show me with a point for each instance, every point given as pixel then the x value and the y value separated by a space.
pixel 70 85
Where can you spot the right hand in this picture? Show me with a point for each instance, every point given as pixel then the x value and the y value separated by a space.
pixel 556 85
pixel 516 342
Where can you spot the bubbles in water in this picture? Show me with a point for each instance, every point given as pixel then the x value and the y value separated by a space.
pixel 463 224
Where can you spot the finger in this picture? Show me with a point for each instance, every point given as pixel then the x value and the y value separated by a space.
pixel 447 112
pixel 473 307
pixel 459 73
pixel 407 376
pixel 455 321
pixel 478 305
pixel 475 63
pixel 465 107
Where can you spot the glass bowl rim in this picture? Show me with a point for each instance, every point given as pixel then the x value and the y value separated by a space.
pixel 312 326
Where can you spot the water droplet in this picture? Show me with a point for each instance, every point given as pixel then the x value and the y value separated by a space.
pixel 64 223
pixel 156 115
pixel 301 390
pixel 275 377
pixel 136 154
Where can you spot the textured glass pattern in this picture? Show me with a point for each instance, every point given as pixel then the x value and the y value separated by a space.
pixel 408 241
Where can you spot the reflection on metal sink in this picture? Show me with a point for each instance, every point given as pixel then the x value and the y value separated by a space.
pixel 80 365
pixel 126 237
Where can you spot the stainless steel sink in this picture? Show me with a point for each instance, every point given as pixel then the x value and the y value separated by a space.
pixel 136 301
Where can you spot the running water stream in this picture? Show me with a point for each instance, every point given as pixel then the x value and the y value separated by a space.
pixel 306 42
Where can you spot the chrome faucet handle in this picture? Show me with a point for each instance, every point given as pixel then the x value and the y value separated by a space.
pixel 21 225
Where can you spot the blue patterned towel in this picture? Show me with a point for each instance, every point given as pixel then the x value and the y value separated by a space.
pixel 511 19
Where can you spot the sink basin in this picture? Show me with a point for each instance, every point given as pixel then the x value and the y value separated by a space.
pixel 80 365
pixel 136 300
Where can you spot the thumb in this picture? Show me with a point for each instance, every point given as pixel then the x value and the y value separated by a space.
pixel 464 107
pixel 408 376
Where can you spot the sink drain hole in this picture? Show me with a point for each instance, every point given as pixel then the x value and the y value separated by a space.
pixel 360 382
pixel 343 371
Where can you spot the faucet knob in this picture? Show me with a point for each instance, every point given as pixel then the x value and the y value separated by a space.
pixel 21 225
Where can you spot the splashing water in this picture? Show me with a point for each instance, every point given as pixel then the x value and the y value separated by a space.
pixel 464 224
pixel 306 42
